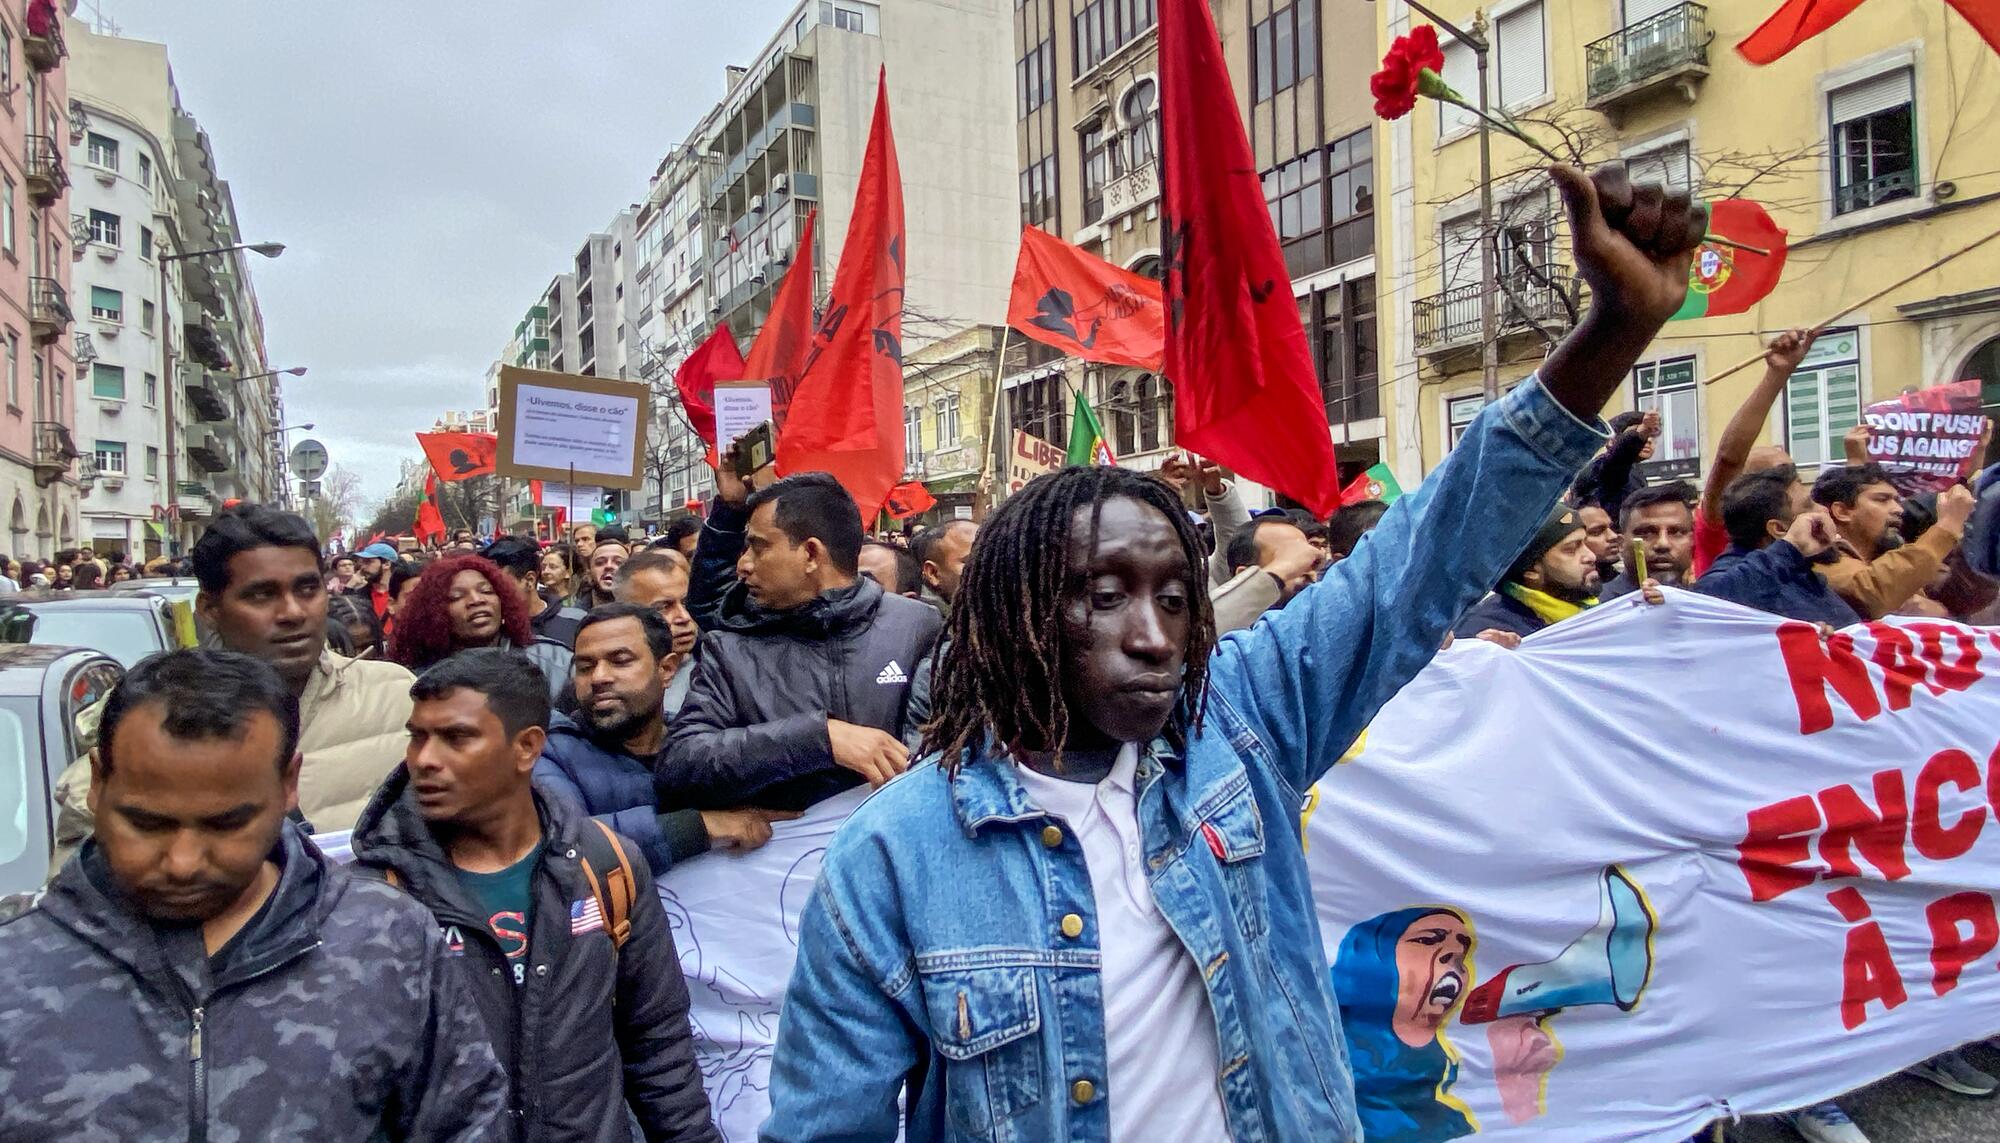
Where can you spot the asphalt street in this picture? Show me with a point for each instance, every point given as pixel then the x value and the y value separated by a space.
pixel 1903 1110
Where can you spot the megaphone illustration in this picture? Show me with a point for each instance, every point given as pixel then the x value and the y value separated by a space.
pixel 1610 964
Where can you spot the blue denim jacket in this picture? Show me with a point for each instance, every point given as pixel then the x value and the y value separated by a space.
pixel 933 949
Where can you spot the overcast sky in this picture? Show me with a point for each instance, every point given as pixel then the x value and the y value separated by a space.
pixel 429 167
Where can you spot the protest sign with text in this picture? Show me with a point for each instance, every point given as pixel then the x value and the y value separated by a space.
pixel 1927 439
pixel 1577 892
pixel 1031 457
pixel 555 426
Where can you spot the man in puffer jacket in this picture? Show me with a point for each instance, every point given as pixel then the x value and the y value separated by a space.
pixel 801 679
pixel 202 971
pixel 263 595
pixel 558 930
pixel 602 762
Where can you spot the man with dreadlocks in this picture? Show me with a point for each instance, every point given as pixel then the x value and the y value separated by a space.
pixel 1087 916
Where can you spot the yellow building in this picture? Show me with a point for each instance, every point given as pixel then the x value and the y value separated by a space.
pixel 1873 145
pixel 946 384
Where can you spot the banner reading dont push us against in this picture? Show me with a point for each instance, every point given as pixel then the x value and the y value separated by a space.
pixel 1658 865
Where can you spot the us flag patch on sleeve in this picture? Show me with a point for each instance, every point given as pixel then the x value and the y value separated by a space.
pixel 585 917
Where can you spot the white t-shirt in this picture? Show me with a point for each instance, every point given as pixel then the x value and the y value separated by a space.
pixel 1158 1029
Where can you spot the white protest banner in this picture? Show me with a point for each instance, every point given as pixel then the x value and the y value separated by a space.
pixel 576 499
pixel 739 407
pixel 1658 865
pixel 1927 439
pixel 557 426
pixel 735 919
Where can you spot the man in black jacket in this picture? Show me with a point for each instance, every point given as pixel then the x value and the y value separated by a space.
pixel 1552 580
pixel 800 687
pixel 1777 537
pixel 551 618
pixel 201 970
pixel 529 895
pixel 1661 517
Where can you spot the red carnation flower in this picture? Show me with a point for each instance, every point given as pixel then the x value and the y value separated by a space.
pixel 1396 86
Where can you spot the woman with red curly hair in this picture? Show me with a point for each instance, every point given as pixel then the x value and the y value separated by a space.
pixel 464 602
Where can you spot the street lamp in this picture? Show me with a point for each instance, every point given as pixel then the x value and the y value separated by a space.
pixel 266 249
pixel 297 371
pixel 307 427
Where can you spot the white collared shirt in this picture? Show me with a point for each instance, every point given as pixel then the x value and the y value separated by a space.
pixel 1159 1033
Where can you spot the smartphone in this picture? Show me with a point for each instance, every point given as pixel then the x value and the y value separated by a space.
pixel 753 451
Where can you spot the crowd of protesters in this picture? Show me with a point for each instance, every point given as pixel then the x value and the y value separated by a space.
pixel 399 823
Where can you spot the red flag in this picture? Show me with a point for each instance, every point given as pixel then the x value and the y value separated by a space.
pixel 1245 394
pixel 1797 21
pixel 1085 306
pixel 847 412
pixel 909 499
pixel 535 492
pixel 716 359
pixel 430 521
pixel 779 353
pixel 459 456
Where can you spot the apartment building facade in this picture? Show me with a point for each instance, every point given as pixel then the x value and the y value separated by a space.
pixel 42 468
pixel 1868 144
pixel 176 407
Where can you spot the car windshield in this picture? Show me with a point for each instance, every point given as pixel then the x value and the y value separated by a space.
pixel 126 635
pixel 24 802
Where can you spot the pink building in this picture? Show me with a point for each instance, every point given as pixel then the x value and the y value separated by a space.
pixel 39 459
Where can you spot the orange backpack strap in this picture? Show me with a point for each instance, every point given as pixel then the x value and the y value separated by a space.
pixel 616 891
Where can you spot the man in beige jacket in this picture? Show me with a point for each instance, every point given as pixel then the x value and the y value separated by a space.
pixel 1877 573
pixel 262 593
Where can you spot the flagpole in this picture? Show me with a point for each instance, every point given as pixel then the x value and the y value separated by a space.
pixel 1850 307
pixel 988 469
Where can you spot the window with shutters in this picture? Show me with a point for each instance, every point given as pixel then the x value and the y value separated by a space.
pixel 1671 166
pixel 1518 67
pixel 1823 398
pixel 1874 145
pixel 107 304
pixel 107 381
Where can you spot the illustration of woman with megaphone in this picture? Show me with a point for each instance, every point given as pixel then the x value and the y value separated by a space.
pixel 1400 976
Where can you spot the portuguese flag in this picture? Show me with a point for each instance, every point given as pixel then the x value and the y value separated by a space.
pixel 1086 438
pixel 1378 483
pixel 1724 280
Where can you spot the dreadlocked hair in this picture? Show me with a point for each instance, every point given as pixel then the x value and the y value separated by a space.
pixel 1001 678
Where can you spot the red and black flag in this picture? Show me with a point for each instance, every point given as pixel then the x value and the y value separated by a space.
pixel 1079 303
pixel 459 456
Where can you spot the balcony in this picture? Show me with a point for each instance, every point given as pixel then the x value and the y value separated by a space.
pixel 205 348
pixel 1664 52
pixel 208 401
pixel 55 449
pixel 207 452
pixel 195 499
pixel 48 310
pixel 1887 187
pixel 47 177
pixel 1449 322
pixel 46 50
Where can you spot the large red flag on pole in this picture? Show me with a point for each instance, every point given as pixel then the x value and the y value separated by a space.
pixel 846 416
pixel 1086 307
pixel 779 353
pixel 716 359
pixel 1245 394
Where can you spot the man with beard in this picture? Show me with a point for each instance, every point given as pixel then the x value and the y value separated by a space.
pixel 1552 580
pixel 1661 518
pixel 607 555
pixel 1879 573
pixel 562 942
pixel 1776 540
pixel 658 579
pixel 203 971
pixel 602 761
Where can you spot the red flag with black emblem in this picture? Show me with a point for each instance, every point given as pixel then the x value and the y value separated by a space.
pixel 1072 299
pixel 846 416
pixel 459 456
pixel 909 499
pixel 779 353
pixel 1245 394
